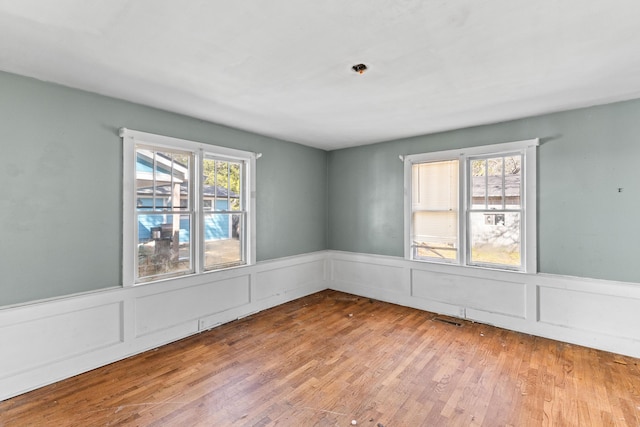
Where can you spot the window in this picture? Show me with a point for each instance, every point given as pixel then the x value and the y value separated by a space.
pixel 188 207
pixel 473 207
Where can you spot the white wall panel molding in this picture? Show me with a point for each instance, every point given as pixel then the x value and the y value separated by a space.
pixel 386 277
pixel 167 309
pixel 57 337
pixel 595 313
pixel 50 340
pixel 274 281
pixel 491 295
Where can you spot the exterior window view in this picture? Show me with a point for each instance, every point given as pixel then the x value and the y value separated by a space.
pixel 166 205
pixel 435 210
pixel 164 212
pixel 490 233
pixel 495 210
pixel 224 217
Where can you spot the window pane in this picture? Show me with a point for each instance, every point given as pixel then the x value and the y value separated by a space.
pixel 172 180
pixel 435 186
pixel 495 238
pixel 162 180
pixel 478 184
pixel 164 245
pixel 224 237
pixel 235 176
pixel 495 188
pixel 496 182
pixel 222 184
pixel 513 181
pixel 435 235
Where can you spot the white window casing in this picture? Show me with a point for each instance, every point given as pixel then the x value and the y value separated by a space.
pixel 528 236
pixel 136 140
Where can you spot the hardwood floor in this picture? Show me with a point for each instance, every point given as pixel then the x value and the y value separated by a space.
pixel 330 358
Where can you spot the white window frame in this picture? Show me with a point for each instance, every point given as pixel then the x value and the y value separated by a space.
pixel 529 220
pixel 132 138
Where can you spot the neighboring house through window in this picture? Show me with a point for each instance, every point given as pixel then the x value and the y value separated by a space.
pixel 474 207
pixel 188 207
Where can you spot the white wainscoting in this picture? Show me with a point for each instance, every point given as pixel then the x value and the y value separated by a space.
pixel 595 313
pixel 47 341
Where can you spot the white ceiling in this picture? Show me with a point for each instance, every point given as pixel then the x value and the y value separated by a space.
pixel 282 68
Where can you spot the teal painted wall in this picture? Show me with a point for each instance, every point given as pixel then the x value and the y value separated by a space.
pixel 586 227
pixel 61 187
pixel 59 215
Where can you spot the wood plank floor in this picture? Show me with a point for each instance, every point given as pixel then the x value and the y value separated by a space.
pixel 330 358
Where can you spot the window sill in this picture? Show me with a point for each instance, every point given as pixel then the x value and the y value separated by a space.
pixel 194 279
pixel 466 270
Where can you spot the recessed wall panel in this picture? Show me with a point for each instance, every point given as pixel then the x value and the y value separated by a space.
pixel 161 311
pixel 287 278
pixel 489 295
pixel 45 340
pixel 379 276
pixel 607 314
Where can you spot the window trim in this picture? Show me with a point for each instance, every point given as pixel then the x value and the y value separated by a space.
pixel 131 138
pixel 529 234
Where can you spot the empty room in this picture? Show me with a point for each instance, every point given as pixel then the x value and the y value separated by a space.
pixel 377 213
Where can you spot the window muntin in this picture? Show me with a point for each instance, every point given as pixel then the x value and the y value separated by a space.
pixel 485 217
pixel 188 207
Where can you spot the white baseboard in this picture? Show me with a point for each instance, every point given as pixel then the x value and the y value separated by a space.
pixel 47 341
pixel 599 314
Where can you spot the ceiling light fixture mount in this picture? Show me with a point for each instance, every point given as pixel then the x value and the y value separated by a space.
pixel 359 68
